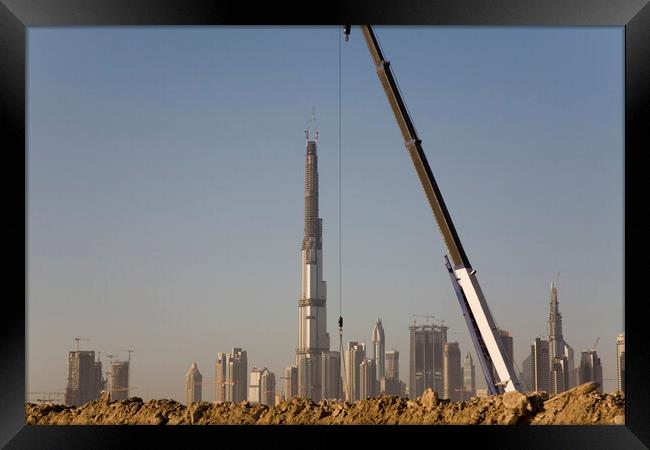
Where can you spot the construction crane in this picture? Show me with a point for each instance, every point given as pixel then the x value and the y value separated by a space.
pixel 52 396
pixel 80 339
pixel 130 351
pixel 481 324
pixel 593 347
pixel 427 316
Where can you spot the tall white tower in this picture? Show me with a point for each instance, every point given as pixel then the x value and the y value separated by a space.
pixel 313 338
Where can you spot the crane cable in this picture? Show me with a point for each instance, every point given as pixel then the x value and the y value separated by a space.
pixel 341 354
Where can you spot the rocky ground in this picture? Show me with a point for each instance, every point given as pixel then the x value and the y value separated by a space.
pixel 578 406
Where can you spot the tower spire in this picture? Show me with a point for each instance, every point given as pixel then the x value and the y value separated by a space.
pixel 312 124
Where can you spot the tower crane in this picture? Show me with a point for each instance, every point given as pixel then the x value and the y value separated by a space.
pixel 130 351
pixel 427 316
pixel 481 324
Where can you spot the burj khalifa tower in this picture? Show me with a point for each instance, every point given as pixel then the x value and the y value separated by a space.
pixel 312 355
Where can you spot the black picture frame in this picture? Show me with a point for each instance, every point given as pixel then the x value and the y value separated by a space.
pixel 17 15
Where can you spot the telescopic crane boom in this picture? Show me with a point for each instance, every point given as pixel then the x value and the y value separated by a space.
pixel 482 328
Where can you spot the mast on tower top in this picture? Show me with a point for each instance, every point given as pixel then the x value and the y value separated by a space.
pixel 312 124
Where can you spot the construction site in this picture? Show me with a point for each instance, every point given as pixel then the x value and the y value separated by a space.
pixel 577 406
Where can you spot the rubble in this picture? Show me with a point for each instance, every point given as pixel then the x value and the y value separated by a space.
pixel 578 406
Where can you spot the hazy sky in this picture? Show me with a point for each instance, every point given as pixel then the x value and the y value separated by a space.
pixel 165 189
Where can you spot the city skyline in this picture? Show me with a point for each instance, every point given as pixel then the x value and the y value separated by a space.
pixel 182 244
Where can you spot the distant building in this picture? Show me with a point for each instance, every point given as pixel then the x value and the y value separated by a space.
pixel 391 382
pixel 119 380
pixel 559 377
pixel 193 385
pixel 570 361
pixel 331 375
pixel 540 365
pixel 620 362
pixel 426 358
pixel 590 369
pixel 84 378
pixel 355 353
pixel 291 382
pixel 231 373
pixel 508 345
pixel 469 378
pixel 254 390
pixel 267 388
pixel 560 353
pixel 392 364
pixel 220 378
pixel 452 372
pixel 378 351
pixel 367 381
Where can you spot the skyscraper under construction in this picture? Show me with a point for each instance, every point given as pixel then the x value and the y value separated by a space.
pixel 84 378
pixel 313 338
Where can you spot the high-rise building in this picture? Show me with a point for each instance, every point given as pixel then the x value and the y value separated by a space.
pixel 267 388
pixel 391 382
pixel 378 350
pixel 231 373
pixel 554 325
pixel 559 375
pixel 570 361
pixel 254 391
pixel 590 369
pixel 193 385
pixel 119 380
pixel 426 358
pixel 540 365
pixel 84 378
pixel 508 346
pixel 313 338
pixel 620 362
pixel 469 378
pixel 220 378
pixel 560 354
pixel 290 382
pixel 392 364
pixel 367 380
pixel 439 341
pixel 355 353
pixel 331 375
pixel 453 378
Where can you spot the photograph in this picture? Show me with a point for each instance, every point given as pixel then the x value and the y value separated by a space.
pixel 234 218
pixel 191 189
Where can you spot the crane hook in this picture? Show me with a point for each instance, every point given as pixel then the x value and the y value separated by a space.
pixel 346 31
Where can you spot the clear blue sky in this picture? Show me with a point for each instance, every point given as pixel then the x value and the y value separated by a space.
pixel 165 189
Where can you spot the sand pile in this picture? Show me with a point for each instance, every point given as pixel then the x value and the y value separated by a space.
pixel 578 406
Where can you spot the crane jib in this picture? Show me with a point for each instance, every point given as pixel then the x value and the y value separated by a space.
pixel 482 326
pixel 414 147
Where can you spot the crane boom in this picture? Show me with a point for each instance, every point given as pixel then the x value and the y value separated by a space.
pixel 482 328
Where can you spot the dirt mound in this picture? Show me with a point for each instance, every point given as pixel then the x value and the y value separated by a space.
pixel 578 406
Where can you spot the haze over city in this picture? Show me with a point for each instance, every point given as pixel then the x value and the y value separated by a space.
pixel 166 179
